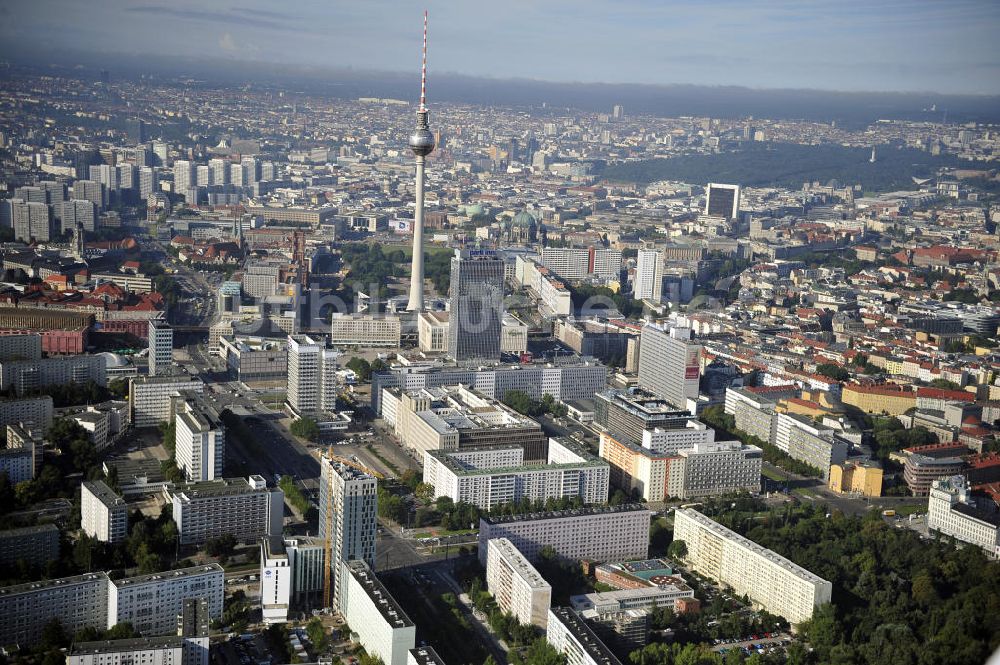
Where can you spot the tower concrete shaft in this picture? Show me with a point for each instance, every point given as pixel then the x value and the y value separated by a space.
pixel 416 302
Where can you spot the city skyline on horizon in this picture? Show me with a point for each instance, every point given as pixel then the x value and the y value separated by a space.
pixel 778 44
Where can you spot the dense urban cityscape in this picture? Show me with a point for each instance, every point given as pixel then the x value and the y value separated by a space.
pixel 297 377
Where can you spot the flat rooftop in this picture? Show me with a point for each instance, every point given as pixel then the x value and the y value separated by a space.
pixel 31 587
pixel 566 514
pixel 28 531
pixel 103 493
pixel 134 644
pixel 425 656
pixel 379 595
pixel 169 575
pixel 521 566
pixel 595 648
pixel 212 488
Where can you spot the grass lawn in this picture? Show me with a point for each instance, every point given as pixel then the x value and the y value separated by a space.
pixel 911 509
pixel 773 475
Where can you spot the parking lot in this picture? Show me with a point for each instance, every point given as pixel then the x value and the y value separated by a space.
pixel 762 644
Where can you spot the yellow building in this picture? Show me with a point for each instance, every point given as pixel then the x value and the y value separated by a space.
pixel 812 404
pixel 891 400
pixel 853 478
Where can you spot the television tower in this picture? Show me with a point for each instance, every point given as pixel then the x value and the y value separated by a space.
pixel 421 143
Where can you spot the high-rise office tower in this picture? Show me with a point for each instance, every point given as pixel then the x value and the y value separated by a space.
pixel 238 176
pixel 204 175
pixel 722 200
pixel 183 176
pixel 348 513
pixel 161 151
pixel 421 143
pixel 136 128
pixel 105 174
pixel 312 375
pixel 31 220
pixel 476 296
pixel 220 171
pixel 251 169
pixel 149 181
pixel 126 177
pixel 669 363
pixel 648 275
pixel 76 211
pixel 200 443
pixel 142 156
pixel 161 345
pixel 618 112
pixel 91 190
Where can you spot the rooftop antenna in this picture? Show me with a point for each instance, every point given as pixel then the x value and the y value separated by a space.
pixel 423 70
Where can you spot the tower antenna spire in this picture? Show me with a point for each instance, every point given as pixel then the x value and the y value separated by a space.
pixel 423 69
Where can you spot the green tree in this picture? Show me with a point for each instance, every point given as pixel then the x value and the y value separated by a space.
pixel 677 550
pixel 316 633
pixel 835 372
pixel 223 546
pixel 53 635
pixel 121 631
pixel 540 652
pixel 424 492
pixel 305 428
pixel 118 388
pixel 361 367
pixel 521 402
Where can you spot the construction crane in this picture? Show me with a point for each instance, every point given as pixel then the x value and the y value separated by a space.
pixel 328 523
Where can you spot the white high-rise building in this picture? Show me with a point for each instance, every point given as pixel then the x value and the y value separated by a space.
pixel 348 512
pixel 365 330
pixel 149 397
pixel 275 580
pixel 251 170
pixel 516 585
pixel 204 175
pixel 599 533
pixel 570 635
pixel 161 347
pixel 184 176
pixel 103 514
pixel 669 364
pixel 76 212
pixel 220 171
pixel 149 181
pixel 200 445
pixel 719 467
pixel 382 626
pixel 493 476
pixel 770 580
pixel 152 603
pixel 312 375
pixel 243 507
pixel 648 283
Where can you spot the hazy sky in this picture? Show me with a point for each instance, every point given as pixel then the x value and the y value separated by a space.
pixel 948 46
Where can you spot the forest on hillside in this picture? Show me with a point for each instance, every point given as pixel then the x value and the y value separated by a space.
pixel 790 165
